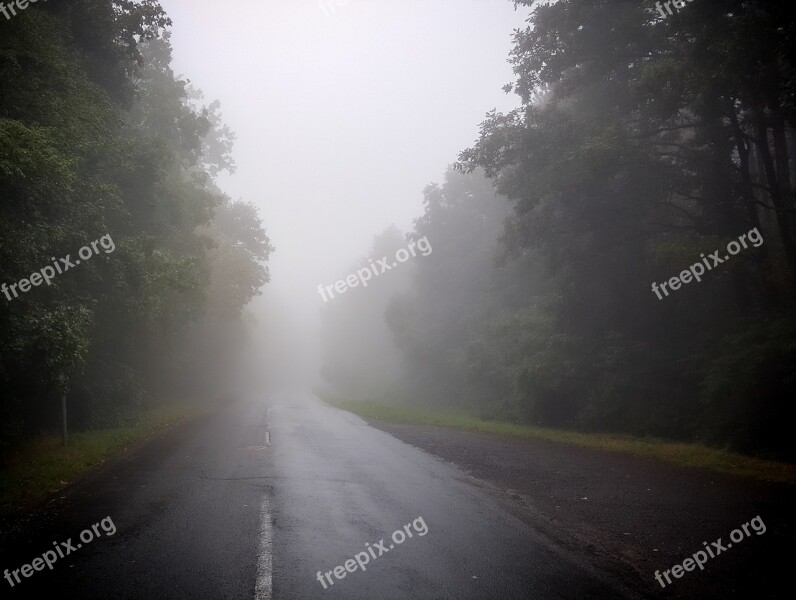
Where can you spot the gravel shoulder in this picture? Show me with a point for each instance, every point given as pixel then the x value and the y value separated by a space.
pixel 631 515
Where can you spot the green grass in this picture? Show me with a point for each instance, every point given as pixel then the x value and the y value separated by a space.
pixel 684 454
pixel 44 466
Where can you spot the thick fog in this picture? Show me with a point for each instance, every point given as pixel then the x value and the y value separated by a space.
pixel 343 112
pixel 397 299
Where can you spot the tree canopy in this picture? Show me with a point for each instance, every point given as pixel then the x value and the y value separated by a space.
pixel 99 136
pixel 642 144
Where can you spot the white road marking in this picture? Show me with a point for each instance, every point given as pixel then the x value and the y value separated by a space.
pixel 263 584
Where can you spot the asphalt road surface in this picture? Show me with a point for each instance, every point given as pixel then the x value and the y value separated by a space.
pixel 253 501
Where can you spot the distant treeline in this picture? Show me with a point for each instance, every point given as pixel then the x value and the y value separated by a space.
pixel 641 144
pixel 98 137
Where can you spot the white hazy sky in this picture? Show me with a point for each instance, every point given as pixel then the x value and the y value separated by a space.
pixel 344 110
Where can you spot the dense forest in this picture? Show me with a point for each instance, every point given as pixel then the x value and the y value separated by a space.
pixel 649 148
pixel 100 140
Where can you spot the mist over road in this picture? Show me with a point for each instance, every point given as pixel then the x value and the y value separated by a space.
pixel 343 483
pixel 536 257
pixel 212 511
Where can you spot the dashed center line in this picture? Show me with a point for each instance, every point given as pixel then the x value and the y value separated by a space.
pixel 268 427
pixel 264 583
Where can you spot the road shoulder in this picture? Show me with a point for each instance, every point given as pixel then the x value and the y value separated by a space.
pixel 628 514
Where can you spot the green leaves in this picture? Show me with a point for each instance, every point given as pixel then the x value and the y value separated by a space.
pixel 656 140
pixel 97 136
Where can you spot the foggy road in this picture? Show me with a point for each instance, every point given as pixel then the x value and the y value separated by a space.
pixel 343 483
pixel 388 300
pixel 213 511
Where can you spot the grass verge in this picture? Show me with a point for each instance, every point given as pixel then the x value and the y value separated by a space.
pixel 683 454
pixel 44 466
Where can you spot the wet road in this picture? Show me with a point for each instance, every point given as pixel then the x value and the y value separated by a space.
pixel 254 501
